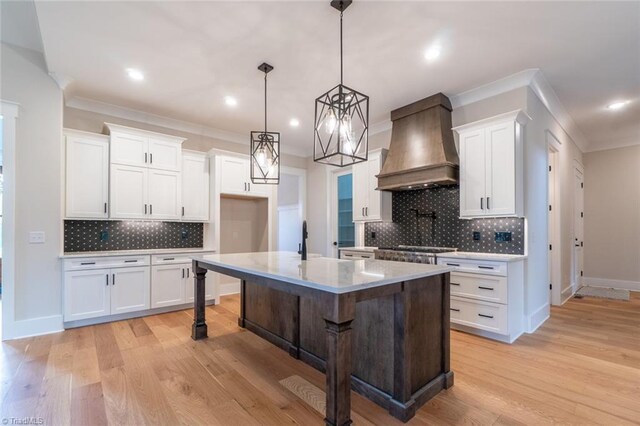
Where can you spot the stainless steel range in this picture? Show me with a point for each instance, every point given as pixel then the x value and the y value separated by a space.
pixel 412 254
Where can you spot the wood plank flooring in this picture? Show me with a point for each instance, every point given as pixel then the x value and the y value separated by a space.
pixel 581 367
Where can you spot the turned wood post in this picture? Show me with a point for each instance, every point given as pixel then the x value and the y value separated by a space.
pixel 199 328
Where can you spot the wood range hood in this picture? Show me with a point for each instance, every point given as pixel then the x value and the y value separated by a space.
pixel 422 151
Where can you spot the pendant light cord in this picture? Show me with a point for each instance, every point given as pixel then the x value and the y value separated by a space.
pixel 265 102
pixel 341 67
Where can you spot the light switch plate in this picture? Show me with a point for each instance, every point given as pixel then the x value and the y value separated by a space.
pixel 36 237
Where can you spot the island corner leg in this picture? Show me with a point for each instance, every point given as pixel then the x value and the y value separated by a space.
pixel 243 289
pixel 199 328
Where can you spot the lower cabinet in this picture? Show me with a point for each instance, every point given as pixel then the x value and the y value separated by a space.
pixel 174 285
pixel 100 292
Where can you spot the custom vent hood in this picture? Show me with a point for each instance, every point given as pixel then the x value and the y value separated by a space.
pixel 422 151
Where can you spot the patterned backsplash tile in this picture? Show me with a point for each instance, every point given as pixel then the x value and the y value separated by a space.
pixel 446 229
pixel 100 235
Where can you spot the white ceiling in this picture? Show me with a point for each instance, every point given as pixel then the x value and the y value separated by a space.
pixel 193 54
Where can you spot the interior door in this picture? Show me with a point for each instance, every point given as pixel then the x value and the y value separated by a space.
pixel 500 170
pixel 342 211
pixel 472 173
pixel 129 150
pixel 578 227
pixel 87 183
pixel 165 155
pixel 167 285
pixel 129 192
pixel 234 173
pixel 195 187
pixel 164 195
pixel 130 290
pixel 87 294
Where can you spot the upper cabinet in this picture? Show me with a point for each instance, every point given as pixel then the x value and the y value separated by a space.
pixel 195 186
pixel 234 175
pixel 491 166
pixel 369 204
pixel 87 175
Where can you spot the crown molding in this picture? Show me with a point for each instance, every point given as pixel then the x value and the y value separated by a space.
pixel 535 80
pixel 131 114
pixel 380 127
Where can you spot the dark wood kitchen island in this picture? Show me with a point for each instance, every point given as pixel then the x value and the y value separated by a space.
pixel 378 327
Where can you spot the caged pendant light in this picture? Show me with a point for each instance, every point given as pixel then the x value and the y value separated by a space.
pixel 341 130
pixel 265 147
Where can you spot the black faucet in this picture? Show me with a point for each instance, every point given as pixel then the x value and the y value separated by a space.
pixel 303 247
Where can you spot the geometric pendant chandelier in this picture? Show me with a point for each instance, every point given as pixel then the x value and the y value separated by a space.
pixel 265 147
pixel 341 123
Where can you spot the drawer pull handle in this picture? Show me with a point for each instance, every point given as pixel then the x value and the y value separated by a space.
pixel 131 261
pixel 454 283
pixel 453 264
pixel 485 316
pixel 348 255
pixel 366 257
pixel 485 267
pixel 485 288
pixel 454 309
pixel 169 258
pixel 187 272
pixel 182 272
pixel 107 275
pixel 113 279
pixel 87 263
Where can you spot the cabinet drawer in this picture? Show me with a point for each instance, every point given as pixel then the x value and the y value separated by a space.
pixel 489 288
pixel 169 259
pixel 483 315
pixel 348 254
pixel 104 262
pixel 486 267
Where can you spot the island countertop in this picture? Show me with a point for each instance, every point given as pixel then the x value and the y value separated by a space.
pixel 322 273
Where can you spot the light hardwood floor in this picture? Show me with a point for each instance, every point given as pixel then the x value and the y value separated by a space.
pixel 581 367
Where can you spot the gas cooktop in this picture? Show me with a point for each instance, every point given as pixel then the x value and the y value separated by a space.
pixel 419 249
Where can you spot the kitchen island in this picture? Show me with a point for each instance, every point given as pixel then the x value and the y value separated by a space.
pixel 378 327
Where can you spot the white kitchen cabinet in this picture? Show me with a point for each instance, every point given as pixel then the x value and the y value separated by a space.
pixel 129 192
pixel 130 289
pixel 165 154
pixel 164 195
pixel 369 204
pixel 235 179
pixel 491 166
pixel 129 149
pixel 141 148
pixel 87 175
pixel 195 187
pixel 209 286
pixel 87 294
pixel 167 285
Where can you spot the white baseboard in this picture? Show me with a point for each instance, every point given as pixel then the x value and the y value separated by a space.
pixel 607 283
pixel 566 294
pixel 229 288
pixel 538 317
pixel 35 327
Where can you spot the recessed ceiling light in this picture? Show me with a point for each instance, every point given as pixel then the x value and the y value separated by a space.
pixel 617 105
pixel 230 101
pixel 135 74
pixel 432 53
pixel 294 122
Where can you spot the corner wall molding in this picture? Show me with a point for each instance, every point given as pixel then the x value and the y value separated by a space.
pixel 131 114
pixel 536 81
pixel 538 317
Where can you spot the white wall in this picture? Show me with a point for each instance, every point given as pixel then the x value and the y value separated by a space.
pixel 38 281
pixel 612 218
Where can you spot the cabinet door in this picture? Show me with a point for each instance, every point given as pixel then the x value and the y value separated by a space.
pixel 259 189
pixel 165 155
pixel 501 169
pixel 234 175
pixel 86 294
pixel 164 195
pixel 190 283
pixel 129 150
pixel 472 174
pixel 374 204
pixel 87 178
pixel 129 192
pixel 129 290
pixel 167 285
pixel 195 187
pixel 360 178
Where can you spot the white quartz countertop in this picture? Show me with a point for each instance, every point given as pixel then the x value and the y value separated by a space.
pixel 483 256
pixel 322 273
pixel 361 248
pixel 135 252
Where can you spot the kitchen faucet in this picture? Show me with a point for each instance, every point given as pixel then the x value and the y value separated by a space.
pixel 303 247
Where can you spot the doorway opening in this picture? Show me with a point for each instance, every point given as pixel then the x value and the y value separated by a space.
pixel 555 249
pixel 342 228
pixel 291 208
pixel 578 227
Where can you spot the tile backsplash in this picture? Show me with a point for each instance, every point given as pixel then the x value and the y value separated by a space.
pixel 446 229
pixel 100 235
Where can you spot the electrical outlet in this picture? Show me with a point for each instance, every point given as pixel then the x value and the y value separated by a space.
pixel 104 236
pixel 476 236
pixel 184 235
pixel 502 237
pixel 36 237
